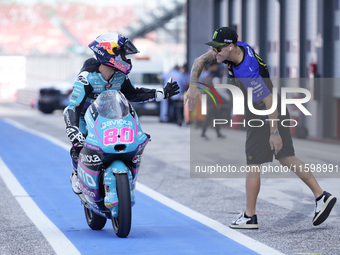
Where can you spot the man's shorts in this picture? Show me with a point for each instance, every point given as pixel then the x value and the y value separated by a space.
pixel 258 149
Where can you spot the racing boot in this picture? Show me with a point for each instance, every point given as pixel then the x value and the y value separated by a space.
pixel 75 182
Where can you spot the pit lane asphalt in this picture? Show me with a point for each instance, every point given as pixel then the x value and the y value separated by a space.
pixel 285 206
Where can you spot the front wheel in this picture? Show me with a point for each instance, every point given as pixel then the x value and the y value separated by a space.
pixel 122 223
pixel 95 221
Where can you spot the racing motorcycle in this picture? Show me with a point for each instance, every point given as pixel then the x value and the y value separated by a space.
pixel 108 164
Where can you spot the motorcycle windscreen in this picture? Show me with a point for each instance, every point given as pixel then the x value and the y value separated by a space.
pixel 112 104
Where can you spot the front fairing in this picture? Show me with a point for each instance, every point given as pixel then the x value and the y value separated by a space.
pixel 111 127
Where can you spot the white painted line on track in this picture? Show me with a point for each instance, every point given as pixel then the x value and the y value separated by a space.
pixel 224 230
pixel 53 235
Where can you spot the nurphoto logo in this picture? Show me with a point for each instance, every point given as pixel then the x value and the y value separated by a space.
pixel 239 104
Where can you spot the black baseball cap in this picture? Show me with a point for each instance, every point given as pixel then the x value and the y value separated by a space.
pixel 223 36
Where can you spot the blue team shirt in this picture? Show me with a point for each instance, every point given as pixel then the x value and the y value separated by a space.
pixel 248 72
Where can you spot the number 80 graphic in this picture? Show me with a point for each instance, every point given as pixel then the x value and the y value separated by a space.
pixel 124 135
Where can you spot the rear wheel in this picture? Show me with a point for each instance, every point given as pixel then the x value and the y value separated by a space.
pixel 122 223
pixel 95 221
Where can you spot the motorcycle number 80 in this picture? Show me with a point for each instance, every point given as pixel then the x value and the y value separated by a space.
pixel 114 135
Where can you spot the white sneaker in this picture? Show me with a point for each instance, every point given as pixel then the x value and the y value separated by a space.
pixel 244 222
pixel 75 183
pixel 323 207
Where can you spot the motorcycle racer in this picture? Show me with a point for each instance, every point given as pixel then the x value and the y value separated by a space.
pixel 108 69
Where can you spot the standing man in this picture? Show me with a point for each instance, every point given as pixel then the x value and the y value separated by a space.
pixel 249 70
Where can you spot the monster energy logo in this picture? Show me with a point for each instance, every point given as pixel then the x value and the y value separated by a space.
pixel 215 34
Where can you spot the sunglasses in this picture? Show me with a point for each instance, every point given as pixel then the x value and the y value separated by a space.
pixel 217 49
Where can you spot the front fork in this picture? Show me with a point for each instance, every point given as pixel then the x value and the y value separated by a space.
pixel 111 198
pixel 116 167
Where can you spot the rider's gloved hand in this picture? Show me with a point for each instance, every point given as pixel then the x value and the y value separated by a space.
pixel 170 89
pixel 76 137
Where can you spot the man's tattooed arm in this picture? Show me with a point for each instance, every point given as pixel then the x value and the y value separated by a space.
pixel 194 93
pixel 198 66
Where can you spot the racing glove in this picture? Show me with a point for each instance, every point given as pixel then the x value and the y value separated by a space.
pixel 76 137
pixel 170 89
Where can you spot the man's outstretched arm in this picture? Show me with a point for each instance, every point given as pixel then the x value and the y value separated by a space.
pixel 196 70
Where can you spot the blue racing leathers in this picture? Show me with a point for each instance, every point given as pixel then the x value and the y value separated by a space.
pixel 90 83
